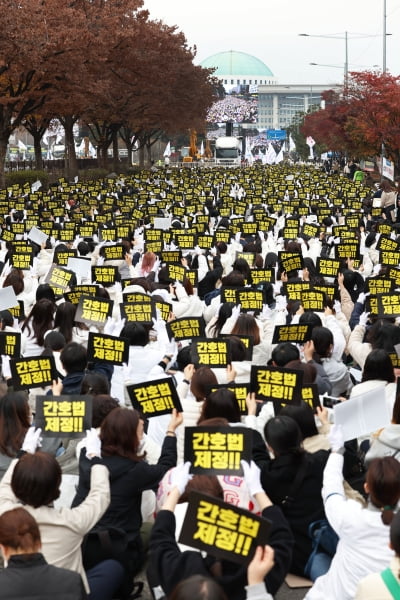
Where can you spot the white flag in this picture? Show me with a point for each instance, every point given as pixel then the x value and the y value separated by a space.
pixel 22 146
pixel 202 148
pixel 279 157
pixel 247 153
pixel 167 151
pixel 292 145
pixel 36 185
pixel 271 155
pixel 92 150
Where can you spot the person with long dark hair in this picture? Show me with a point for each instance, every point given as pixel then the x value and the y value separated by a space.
pixel 322 344
pixel 378 374
pixel 121 435
pixel 215 325
pixel 36 324
pixel 64 322
pixel 15 420
pixel 381 334
pixel 292 478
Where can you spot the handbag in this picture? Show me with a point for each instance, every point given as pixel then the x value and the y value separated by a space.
pixel 113 543
pixel 391 583
pixel 298 480
pixel 103 544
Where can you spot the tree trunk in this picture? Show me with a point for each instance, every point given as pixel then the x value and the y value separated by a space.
pixel 149 159
pixel 129 148
pixel 141 157
pixel 38 151
pixel 102 155
pixel 3 152
pixel 71 164
pixel 115 152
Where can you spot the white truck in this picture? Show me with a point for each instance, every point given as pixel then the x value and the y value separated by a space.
pixel 227 151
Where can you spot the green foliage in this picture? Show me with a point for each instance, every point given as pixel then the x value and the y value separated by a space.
pixel 21 177
pixel 93 174
pixel 294 129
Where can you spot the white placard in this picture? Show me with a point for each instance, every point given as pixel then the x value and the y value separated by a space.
pixel 8 299
pixel 362 414
pixel 37 236
pixel 162 223
pixel 80 266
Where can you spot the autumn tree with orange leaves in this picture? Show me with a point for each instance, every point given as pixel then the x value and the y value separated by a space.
pixel 361 118
pixel 99 61
pixel 152 87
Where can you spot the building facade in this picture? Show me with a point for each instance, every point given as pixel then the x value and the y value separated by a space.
pixel 278 105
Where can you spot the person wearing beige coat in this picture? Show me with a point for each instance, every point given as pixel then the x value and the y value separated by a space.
pixel 373 587
pixel 62 530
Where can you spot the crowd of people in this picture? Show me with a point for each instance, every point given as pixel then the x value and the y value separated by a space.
pixel 99 509
pixel 233 109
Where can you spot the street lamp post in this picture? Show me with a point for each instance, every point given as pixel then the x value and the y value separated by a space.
pixel 384 34
pixel 344 37
pixel 384 38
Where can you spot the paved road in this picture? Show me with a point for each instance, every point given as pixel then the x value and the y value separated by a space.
pixel 287 593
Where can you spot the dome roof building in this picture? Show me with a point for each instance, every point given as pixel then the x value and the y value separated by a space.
pixel 235 69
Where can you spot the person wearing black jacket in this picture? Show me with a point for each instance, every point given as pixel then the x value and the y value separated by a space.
pixel 171 566
pixel 293 481
pixel 27 574
pixel 117 534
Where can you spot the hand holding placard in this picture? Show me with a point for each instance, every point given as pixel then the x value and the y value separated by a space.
pixel 251 404
pixel 92 443
pixel 251 475
pixel 176 420
pixel 180 476
pixel 32 440
pixel 363 319
pixel 335 437
pixel 5 366
pixel 262 563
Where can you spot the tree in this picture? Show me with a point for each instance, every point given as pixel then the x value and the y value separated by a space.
pixel 86 77
pixel 100 61
pixel 37 126
pixel 26 42
pixel 374 113
pixel 153 86
pixel 52 55
pixel 362 118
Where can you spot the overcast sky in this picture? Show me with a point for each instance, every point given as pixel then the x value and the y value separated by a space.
pixel 268 29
